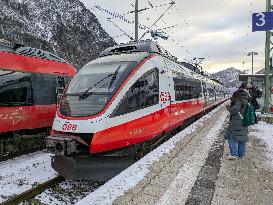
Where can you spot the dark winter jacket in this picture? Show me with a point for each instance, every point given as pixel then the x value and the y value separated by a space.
pixel 239 103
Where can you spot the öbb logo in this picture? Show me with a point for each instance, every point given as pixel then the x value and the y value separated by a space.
pixel 165 96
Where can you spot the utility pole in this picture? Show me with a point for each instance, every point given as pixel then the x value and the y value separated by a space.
pixel 267 63
pixel 136 20
pixel 252 54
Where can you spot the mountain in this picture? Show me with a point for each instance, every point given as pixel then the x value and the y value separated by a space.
pixel 64 27
pixel 229 77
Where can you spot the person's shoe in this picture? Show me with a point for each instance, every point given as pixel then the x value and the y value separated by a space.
pixel 231 157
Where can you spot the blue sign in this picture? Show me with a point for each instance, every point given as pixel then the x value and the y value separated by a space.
pixel 262 21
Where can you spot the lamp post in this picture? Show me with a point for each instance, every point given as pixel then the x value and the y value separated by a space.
pixel 252 54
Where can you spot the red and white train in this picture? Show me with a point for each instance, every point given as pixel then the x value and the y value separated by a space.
pixel 29 78
pixel 123 103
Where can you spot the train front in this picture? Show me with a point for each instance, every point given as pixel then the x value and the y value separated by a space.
pixel 83 114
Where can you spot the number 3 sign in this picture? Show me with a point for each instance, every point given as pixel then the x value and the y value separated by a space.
pixel 262 21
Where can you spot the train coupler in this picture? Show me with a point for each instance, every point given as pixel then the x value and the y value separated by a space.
pixel 61 146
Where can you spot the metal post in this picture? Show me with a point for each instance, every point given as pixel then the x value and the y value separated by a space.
pixel 136 21
pixel 252 61
pixel 267 59
pixel 252 54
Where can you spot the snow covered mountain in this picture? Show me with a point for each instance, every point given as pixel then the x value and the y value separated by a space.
pixel 229 77
pixel 64 27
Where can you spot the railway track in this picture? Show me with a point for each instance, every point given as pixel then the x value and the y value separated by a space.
pixel 53 192
pixel 25 196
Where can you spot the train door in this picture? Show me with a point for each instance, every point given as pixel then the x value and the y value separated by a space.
pixel 205 93
pixel 166 93
pixel 44 99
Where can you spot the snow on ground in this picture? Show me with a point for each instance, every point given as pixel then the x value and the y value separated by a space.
pixel 248 180
pixel 130 177
pixel 22 173
pixel 190 170
pixel 264 131
pixel 67 192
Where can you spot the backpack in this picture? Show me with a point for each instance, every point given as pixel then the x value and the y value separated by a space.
pixel 249 116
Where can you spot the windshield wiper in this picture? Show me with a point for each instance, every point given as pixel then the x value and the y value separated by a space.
pixel 86 93
pixel 114 77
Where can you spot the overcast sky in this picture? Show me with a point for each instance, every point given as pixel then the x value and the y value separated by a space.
pixel 220 31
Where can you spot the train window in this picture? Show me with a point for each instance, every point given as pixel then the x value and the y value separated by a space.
pixel 15 88
pixel 98 78
pixel 220 94
pixel 44 89
pixel 211 93
pixel 186 88
pixel 93 86
pixel 143 93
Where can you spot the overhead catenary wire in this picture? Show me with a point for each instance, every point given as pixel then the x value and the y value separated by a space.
pixel 131 38
pixel 122 16
pixel 172 3
pixel 245 49
pixel 118 16
pixel 151 5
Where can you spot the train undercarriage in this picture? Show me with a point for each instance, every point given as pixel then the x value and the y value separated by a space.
pixel 13 144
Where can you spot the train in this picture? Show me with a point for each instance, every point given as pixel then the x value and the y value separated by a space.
pixel 122 104
pixel 29 81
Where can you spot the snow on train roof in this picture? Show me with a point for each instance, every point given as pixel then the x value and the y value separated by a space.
pixel 28 51
pixel 136 57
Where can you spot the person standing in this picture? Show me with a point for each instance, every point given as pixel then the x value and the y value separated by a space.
pixel 253 92
pixel 237 134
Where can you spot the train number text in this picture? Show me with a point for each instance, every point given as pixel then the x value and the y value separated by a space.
pixel 69 126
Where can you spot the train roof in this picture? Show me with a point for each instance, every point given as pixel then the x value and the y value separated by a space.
pixel 134 50
pixel 130 57
pixel 28 59
pixel 137 47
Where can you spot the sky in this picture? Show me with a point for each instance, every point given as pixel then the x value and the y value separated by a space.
pixel 219 31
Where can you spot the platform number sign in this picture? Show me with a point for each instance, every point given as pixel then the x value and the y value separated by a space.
pixel 262 21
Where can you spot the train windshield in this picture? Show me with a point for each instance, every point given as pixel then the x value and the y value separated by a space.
pixel 92 88
pixel 97 78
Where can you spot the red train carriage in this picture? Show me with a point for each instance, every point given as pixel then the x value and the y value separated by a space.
pixel 28 82
pixel 123 103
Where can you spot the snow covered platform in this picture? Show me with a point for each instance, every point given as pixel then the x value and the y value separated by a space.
pixel 191 168
pixel 248 180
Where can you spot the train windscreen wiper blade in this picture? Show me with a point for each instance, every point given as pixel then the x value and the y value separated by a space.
pixel 114 77
pixel 86 93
